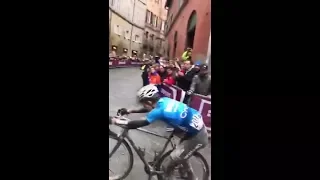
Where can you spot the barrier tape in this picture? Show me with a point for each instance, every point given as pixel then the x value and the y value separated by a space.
pixel 124 63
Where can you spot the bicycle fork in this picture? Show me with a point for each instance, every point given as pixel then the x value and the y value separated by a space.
pixel 115 149
pixel 116 146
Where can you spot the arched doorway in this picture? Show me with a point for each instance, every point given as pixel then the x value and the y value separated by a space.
pixel 175 42
pixel 191 29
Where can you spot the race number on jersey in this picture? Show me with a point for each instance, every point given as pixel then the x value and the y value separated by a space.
pixel 197 122
pixel 173 107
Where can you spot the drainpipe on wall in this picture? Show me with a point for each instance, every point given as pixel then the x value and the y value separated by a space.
pixel 208 60
pixel 110 29
pixel 134 5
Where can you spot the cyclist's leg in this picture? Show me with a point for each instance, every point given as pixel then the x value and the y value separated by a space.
pixel 185 150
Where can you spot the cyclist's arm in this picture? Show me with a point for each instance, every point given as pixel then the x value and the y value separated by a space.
pixel 154 115
pixel 141 110
pixel 134 124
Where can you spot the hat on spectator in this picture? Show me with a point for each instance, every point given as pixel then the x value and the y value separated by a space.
pixel 203 67
pixel 198 63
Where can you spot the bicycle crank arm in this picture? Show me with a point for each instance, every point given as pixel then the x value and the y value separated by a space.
pixel 156 172
pixel 150 177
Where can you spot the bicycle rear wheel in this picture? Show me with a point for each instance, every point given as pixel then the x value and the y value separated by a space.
pixel 116 161
pixel 201 161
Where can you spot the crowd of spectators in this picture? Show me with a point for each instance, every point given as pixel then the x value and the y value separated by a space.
pixel 181 72
pixel 192 78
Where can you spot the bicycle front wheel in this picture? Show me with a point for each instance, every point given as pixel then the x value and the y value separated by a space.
pixel 200 167
pixel 121 161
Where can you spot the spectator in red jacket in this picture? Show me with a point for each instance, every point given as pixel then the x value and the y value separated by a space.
pixel 170 78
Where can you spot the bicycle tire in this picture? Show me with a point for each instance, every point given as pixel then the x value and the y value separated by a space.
pixel 125 143
pixel 196 154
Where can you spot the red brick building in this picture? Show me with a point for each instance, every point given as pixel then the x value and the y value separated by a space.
pixel 188 25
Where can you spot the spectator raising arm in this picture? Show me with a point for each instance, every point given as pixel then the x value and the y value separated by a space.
pixel 193 85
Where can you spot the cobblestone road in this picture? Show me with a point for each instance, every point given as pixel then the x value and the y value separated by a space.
pixel 124 83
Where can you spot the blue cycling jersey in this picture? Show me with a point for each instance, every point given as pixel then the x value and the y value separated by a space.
pixel 177 114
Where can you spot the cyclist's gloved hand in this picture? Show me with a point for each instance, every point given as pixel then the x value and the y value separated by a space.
pixel 123 111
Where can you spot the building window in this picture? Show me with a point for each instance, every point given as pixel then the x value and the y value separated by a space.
pixel 157 1
pixel 147 34
pixel 155 21
pixel 152 19
pixel 151 36
pixel 112 2
pixel 136 38
pixel 148 18
pixel 127 35
pixel 162 25
pixel 159 23
pixel 117 29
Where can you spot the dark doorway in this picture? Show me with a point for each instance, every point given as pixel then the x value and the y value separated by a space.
pixel 175 42
pixel 191 29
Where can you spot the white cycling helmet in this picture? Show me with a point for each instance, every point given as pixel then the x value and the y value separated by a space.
pixel 148 92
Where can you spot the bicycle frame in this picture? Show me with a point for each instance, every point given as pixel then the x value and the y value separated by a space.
pixel 124 135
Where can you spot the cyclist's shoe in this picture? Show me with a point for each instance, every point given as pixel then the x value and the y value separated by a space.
pixel 169 129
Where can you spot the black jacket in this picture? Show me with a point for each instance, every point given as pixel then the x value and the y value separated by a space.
pixel 201 85
pixel 185 81
pixel 145 70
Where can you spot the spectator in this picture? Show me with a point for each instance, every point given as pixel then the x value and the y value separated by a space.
pixel 186 55
pixel 144 75
pixel 197 65
pixel 184 77
pixel 201 83
pixel 162 72
pixel 170 79
pixel 157 59
pixel 156 67
pixel 154 77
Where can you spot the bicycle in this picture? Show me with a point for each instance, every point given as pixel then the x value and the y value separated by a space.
pixel 151 168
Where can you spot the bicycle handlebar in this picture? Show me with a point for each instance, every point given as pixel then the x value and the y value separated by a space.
pixel 120 118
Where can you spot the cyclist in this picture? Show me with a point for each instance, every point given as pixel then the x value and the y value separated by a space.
pixel 179 116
